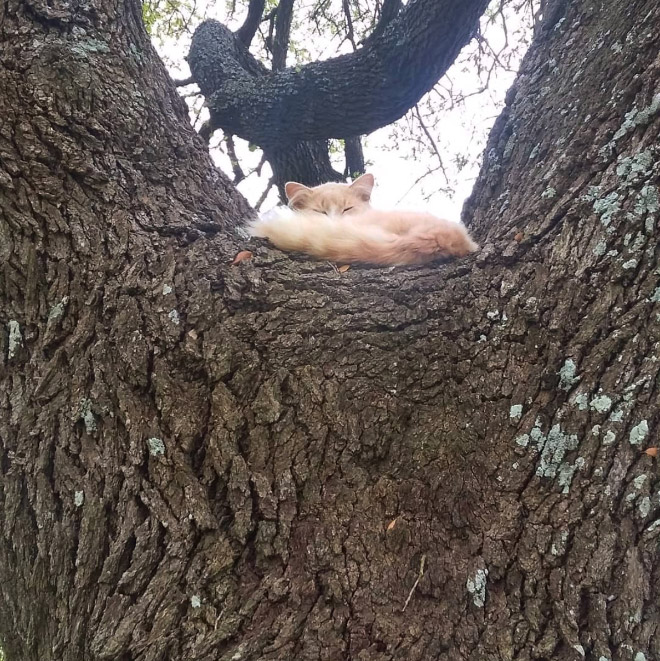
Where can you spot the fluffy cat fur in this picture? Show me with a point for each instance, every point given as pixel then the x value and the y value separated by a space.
pixel 337 223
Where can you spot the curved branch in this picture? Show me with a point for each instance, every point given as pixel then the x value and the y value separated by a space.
pixel 365 90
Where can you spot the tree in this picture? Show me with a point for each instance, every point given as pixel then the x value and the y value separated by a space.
pixel 291 113
pixel 298 34
pixel 277 461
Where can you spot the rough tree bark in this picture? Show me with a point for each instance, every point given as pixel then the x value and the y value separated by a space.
pixel 290 113
pixel 266 461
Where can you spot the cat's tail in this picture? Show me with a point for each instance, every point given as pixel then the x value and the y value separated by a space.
pixel 346 239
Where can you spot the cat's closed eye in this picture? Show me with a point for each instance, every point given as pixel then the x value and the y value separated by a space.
pixel 347 209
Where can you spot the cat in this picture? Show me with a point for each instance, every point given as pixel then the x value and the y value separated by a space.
pixel 336 222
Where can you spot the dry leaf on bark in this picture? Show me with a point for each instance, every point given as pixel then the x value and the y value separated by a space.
pixel 242 256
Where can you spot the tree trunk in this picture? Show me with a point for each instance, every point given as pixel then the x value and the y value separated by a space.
pixel 277 461
pixel 306 162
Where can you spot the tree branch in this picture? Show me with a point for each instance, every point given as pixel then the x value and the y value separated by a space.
pixel 390 10
pixel 239 175
pixel 246 32
pixel 432 142
pixel 350 32
pixel 280 44
pixel 354 156
pixel 264 195
pixel 365 90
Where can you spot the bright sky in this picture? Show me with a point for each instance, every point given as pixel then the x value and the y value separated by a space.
pixel 459 132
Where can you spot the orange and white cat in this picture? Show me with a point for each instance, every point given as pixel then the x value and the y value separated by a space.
pixel 336 222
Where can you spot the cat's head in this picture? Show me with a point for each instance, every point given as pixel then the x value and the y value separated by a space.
pixel 331 199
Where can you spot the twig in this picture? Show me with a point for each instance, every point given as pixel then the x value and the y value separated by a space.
pixel 350 34
pixel 260 165
pixel 184 82
pixel 264 195
pixel 426 174
pixel 239 175
pixel 434 146
pixel 422 563
pixel 175 11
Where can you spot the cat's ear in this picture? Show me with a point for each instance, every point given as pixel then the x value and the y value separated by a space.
pixel 293 188
pixel 297 194
pixel 363 186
